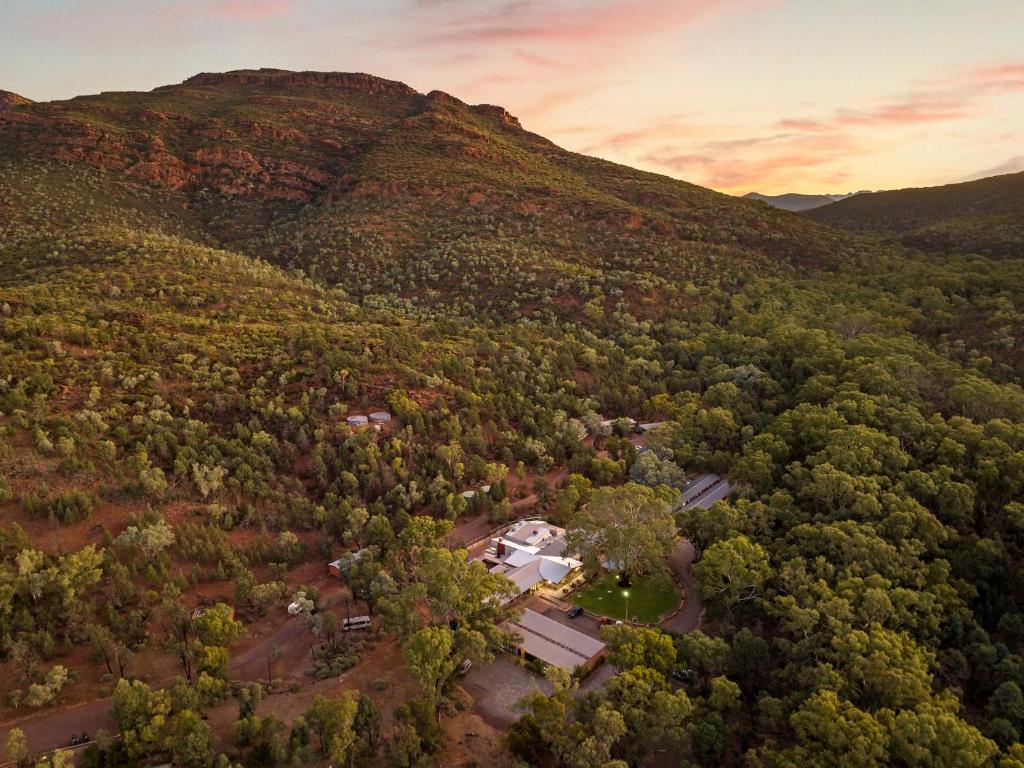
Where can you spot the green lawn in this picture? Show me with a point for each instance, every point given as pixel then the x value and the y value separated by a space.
pixel 649 597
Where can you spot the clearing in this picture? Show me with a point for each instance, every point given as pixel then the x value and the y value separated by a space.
pixel 647 598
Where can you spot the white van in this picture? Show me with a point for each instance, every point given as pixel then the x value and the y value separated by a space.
pixel 356 622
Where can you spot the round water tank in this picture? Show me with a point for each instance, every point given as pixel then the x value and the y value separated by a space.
pixel 380 417
pixel 356 421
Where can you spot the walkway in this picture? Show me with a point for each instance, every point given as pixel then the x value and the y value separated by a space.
pixel 688 618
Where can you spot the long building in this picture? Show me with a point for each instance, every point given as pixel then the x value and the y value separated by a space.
pixel 554 643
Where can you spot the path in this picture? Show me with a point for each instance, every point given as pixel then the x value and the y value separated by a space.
pixel 52 729
pixel 689 616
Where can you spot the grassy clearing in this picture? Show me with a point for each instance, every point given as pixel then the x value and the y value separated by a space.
pixel 648 597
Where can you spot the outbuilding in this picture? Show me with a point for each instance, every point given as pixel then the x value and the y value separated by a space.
pixel 554 643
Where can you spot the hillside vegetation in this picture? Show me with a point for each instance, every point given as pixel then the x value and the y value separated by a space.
pixel 983 217
pixel 198 285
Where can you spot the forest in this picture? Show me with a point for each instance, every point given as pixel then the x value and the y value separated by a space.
pixel 177 365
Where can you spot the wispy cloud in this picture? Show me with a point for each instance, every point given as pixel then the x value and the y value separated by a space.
pixel 523 21
pixel 744 163
pixel 229 10
pixel 252 9
pixel 962 94
pixel 562 50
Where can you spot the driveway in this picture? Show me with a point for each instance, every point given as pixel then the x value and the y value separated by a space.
pixel 584 623
pixel 497 686
pixel 689 616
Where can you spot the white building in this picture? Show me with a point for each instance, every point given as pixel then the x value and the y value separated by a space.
pixel 531 553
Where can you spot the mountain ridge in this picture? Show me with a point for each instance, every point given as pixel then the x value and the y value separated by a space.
pixel 981 216
pixel 796 202
pixel 365 182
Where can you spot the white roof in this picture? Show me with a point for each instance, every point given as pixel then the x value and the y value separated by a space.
pixel 554 569
pixel 520 557
pixel 532 532
pixel 527 576
pixel 516 546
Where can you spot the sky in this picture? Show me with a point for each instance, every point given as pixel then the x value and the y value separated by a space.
pixel 812 96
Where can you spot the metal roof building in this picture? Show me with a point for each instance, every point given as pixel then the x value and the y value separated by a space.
pixel 554 643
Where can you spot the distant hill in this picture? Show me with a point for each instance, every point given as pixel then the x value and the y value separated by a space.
pixel 8 99
pixel 794 201
pixel 984 216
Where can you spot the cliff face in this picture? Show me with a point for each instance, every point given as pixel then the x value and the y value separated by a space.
pixel 280 78
pixel 273 134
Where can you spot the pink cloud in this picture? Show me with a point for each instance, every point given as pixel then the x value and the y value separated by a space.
pixel 961 95
pixel 665 130
pixel 907 112
pixel 229 10
pixel 551 101
pixel 793 124
pixel 610 20
pixel 818 150
pixel 244 10
pixel 555 34
pixel 783 160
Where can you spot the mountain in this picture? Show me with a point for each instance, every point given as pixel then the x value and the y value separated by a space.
pixel 794 201
pixel 366 184
pixel 984 216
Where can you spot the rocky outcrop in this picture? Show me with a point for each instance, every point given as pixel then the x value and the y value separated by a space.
pixel 280 78
pixel 274 138
pixel 498 113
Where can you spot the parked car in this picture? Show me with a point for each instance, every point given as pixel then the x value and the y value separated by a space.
pixel 575 611
pixel 465 666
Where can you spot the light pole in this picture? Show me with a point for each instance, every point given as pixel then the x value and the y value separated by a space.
pixel 626 593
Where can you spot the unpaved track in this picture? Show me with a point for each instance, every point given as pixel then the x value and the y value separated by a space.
pixel 681 563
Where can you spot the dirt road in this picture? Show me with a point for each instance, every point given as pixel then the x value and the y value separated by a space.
pixel 51 729
pixel 689 617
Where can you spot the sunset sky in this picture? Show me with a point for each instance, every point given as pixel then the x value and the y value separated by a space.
pixel 739 95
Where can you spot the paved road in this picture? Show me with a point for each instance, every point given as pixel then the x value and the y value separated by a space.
pixel 689 617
